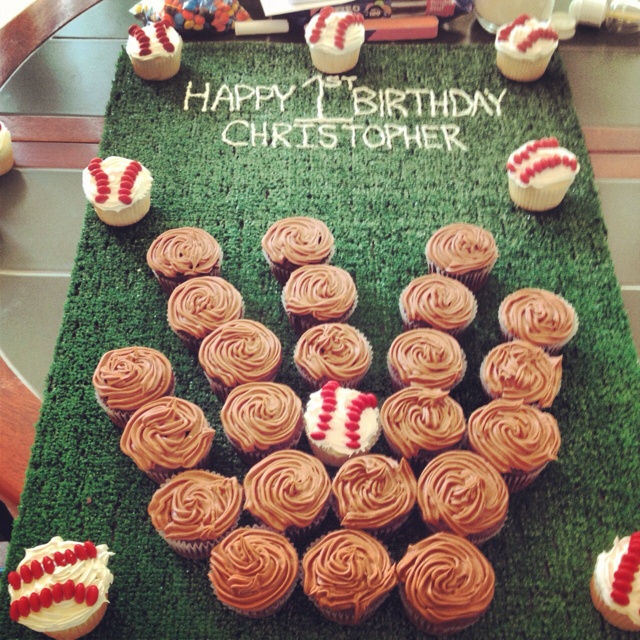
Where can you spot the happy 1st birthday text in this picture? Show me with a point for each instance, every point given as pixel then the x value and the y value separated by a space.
pixel 327 131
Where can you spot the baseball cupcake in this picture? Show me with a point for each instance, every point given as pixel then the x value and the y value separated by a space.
pixel 200 305
pixel 6 150
pixel 615 584
pixel 347 575
pixel 341 423
pixel 540 173
pixel 61 588
pixel 332 351
pixel 180 254
pixel 194 509
pixel 335 39
pixel 460 492
pixel 524 48
pixel 446 584
pixel 288 491
pixel 260 418
pixel 155 51
pixel 126 379
pixel 293 242
pixel 119 190
pixel 540 317
pixel 465 252
pixel 253 571
pixel 315 294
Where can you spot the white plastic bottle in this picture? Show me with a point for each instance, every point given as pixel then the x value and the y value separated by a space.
pixel 618 16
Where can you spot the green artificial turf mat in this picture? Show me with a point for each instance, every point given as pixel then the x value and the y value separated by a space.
pixel 382 196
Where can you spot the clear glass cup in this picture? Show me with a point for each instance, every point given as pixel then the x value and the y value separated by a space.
pixel 491 14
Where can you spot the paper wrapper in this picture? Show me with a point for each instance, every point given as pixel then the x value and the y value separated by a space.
pixel 127 216
pixel 333 63
pixel 613 617
pixel 82 629
pixel 537 200
pixel 522 70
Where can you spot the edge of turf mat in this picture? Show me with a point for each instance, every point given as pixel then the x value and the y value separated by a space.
pixel 382 205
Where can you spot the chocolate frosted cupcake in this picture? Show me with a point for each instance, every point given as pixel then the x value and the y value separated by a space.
pixel 437 302
pixel 179 254
pixel 521 371
pixel 517 439
pixel 237 352
pixel 420 423
pixel 127 378
pixel 341 423
pixel 199 305
pixel 347 574
pixel 460 492
pixel 540 317
pixel 446 584
pixel 462 251
pixel 293 242
pixel 288 491
pixel 262 417
pixel 426 358
pixel 195 509
pixel 374 493
pixel 333 351
pixel 253 571
pixel 316 294
pixel 166 436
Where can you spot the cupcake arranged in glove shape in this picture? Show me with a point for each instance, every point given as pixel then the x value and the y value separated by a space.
pixel 335 39
pixel 126 379
pixel 539 317
pixel 347 575
pixel 61 588
pixel 6 150
pixel 253 571
pixel 540 173
pixel 293 242
pixel 180 254
pixel 446 584
pixel 524 48
pixel 315 294
pixel 194 509
pixel 615 584
pixel 341 423
pixel 119 190
pixel 155 51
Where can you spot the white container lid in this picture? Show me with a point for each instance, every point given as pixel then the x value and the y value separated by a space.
pixel 591 12
pixel 564 24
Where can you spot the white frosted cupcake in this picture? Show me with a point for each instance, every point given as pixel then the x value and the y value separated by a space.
pixel 119 189
pixel 524 48
pixel 540 173
pixel 335 39
pixel 6 150
pixel 155 51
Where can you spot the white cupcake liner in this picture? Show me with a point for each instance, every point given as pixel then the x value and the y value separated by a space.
pixel 522 70
pixel 334 63
pixel 158 68
pixel 126 216
pixel 537 200
pixel 6 161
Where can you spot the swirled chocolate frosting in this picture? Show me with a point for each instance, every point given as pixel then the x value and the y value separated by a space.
pixel 253 569
pixel 196 505
pixel 538 316
pixel 288 488
pixel 460 492
pixel 321 290
pixel 297 241
pixel 521 371
pixel 512 435
pixel 333 351
pixel 415 419
pixel 240 351
pixel 440 302
pixel 427 358
pixel 201 304
pixel 446 579
pixel 127 378
pixel 259 415
pixel 170 432
pixel 186 251
pixel 347 570
pixel 460 248
pixel 373 491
